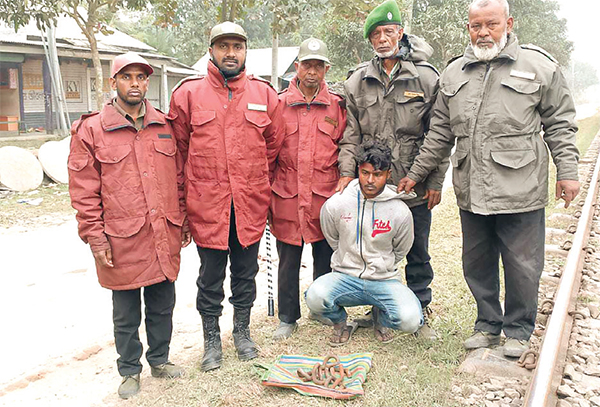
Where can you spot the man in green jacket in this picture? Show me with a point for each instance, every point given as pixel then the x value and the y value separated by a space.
pixel 389 99
pixel 493 103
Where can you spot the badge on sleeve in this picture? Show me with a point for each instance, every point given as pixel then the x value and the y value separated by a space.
pixel 257 107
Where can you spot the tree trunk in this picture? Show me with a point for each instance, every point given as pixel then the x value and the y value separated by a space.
pixel 275 62
pixel 409 15
pixel 223 11
pixel 98 71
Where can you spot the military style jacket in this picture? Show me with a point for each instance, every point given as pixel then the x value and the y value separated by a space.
pixel 229 132
pixel 395 112
pixel 127 187
pixel 306 172
pixel 495 112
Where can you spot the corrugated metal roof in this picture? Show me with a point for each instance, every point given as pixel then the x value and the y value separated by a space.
pixel 70 37
pixel 258 61
pixel 68 31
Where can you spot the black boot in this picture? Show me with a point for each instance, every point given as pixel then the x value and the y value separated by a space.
pixel 213 353
pixel 245 346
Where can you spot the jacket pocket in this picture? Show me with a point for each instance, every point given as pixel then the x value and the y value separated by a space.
pixel 409 115
pixel 516 109
pixel 77 162
pixel 326 148
pixel 284 200
pixel 460 174
pixel 113 154
pixel 514 177
pixel 203 164
pixel 119 170
pixel 368 113
pixel 288 155
pixel 458 105
pixel 130 240
pixel 201 117
pixel 322 191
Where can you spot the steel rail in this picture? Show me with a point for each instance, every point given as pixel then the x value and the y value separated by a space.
pixel 541 385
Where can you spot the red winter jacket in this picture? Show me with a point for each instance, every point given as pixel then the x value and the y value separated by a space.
pixel 229 133
pixel 127 188
pixel 306 172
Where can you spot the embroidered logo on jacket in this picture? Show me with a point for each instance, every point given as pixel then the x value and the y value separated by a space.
pixel 346 218
pixel 380 227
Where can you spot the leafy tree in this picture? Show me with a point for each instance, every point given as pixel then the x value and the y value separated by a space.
pixel 88 14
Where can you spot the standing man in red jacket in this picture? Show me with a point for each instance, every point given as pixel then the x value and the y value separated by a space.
pixel 306 175
pixel 228 127
pixel 126 183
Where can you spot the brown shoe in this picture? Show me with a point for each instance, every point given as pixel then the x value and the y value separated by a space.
pixel 167 369
pixel 130 386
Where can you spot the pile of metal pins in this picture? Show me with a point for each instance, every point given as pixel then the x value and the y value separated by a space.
pixel 328 374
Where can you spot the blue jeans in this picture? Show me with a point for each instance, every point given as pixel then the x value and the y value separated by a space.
pixel 400 307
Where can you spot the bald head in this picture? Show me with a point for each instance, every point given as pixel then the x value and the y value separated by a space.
pixel 485 3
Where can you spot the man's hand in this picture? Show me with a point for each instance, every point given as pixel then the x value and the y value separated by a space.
pixel 104 258
pixel 406 184
pixel 434 197
pixel 186 236
pixel 342 184
pixel 567 190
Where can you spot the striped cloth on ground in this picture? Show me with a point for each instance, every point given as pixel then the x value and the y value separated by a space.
pixel 283 374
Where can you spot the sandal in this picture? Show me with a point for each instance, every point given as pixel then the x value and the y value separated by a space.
pixel 342 336
pixel 382 333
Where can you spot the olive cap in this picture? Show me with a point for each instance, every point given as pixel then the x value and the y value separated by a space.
pixel 228 29
pixel 129 58
pixel 384 14
pixel 313 48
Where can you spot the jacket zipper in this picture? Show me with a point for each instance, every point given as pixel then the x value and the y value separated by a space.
pixel 229 92
pixel 362 216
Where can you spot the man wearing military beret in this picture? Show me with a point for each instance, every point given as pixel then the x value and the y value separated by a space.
pixel 229 128
pixel 494 101
pixel 306 175
pixel 389 99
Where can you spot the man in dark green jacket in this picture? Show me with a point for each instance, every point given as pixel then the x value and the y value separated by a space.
pixel 493 103
pixel 389 99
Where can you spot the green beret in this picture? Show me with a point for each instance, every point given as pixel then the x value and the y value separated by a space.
pixel 385 13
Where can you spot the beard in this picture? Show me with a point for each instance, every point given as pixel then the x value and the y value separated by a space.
pixel 487 54
pixel 388 54
pixel 130 100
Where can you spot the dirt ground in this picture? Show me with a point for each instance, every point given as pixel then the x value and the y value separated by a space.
pixel 61 351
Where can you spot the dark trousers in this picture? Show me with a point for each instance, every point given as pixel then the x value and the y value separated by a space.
pixel 159 300
pixel 288 278
pixel 213 263
pixel 419 273
pixel 519 240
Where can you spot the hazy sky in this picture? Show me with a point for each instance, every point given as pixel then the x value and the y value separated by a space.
pixel 583 22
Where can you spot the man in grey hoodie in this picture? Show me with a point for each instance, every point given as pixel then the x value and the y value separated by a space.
pixel 370 229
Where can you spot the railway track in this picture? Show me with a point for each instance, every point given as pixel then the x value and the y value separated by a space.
pixel 563 366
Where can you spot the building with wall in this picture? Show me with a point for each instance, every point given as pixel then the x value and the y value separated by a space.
pixel 26 92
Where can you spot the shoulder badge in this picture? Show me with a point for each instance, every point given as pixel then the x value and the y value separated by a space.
pixel 77 124
pixel 540 50
pixel 184 80
pixel 453 59
pixel 258 78
pixel 427 64
pixel 358 67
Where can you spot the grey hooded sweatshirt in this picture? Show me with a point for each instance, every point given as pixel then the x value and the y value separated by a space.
pixel 368 236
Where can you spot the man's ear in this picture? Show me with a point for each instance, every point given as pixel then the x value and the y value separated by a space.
pixel 113 83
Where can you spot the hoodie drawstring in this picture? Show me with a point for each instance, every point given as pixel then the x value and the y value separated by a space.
pixel 373 216
pixel 357 215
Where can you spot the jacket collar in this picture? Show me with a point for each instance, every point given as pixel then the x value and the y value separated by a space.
pixel 217 79
pixel 408 70
pixel 295 97
pixel 111 119
pixel 510 52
